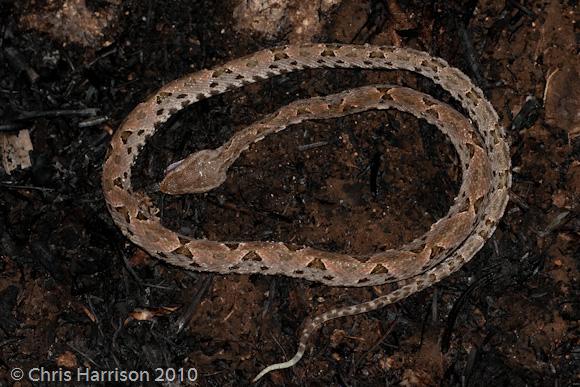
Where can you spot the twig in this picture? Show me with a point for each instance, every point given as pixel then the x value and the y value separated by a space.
pixel 312 146
pixel 186 316
pixel 94 313
pixel 434 309
pixel 83 354
pixel 93 122
pixel 375 345
pixel 454 313
pixel 30 187
pixel 471 55
pixel 131 271
pixel 278 343
pixel 104 55
pixel 548 83
pixel 150 285
pixel 376 19
pixel 559 220
pixel 525 10
pixel 114 342
pixel 375 166
pixel 471 360
pixel 57 113
pixel 12 127
pixel 517 199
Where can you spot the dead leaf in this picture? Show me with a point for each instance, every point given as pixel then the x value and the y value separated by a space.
pixel 141 314
pixel 15 149
pixel 67 359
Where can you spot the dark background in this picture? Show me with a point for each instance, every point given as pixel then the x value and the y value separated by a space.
pixel 75 293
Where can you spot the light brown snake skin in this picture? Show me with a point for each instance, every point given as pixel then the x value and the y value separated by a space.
pixel 447 246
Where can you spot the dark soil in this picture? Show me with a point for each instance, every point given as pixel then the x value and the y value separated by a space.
pixel 75 293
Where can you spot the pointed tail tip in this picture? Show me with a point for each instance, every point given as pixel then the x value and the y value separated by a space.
pixel 269 369
pixel 279 366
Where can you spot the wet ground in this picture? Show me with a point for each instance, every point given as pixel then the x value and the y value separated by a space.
pixel 75 293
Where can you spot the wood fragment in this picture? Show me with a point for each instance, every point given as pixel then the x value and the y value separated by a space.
pixel 14 150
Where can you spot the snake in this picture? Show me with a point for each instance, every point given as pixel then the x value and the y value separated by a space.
pixel 452 241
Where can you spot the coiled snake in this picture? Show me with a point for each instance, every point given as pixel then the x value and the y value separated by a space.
pixel 447 246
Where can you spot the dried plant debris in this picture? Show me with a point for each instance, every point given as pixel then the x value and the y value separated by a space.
pixel 74 293
pixel 562 100
pixel 300 19
pixel 14 150
pixel 71 21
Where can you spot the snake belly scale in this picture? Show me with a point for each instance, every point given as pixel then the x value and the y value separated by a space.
pixel 450 242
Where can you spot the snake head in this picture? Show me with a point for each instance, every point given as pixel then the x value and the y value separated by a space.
pixel 199 172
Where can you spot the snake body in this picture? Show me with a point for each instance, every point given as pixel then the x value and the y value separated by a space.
pixel 448 245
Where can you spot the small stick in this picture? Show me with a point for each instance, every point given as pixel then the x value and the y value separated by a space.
pixel 12 127
pixel 554 224
pixel 434 309
pixel 57 113
pixel 525 10
pixel 29 187
pixel 93 122
pixel 454 313
pixel 302 148
pixel 471 55
pixel 106 54
pixel 114 342
pixel 131 271
pixel 191 308
pixel 375 345
pixel 83 354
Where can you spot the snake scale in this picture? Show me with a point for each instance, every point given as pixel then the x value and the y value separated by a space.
pixel 451 241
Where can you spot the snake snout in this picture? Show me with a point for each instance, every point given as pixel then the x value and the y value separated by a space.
pixel 199 172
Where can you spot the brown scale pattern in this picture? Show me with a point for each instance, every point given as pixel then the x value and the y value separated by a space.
pixel 448 245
